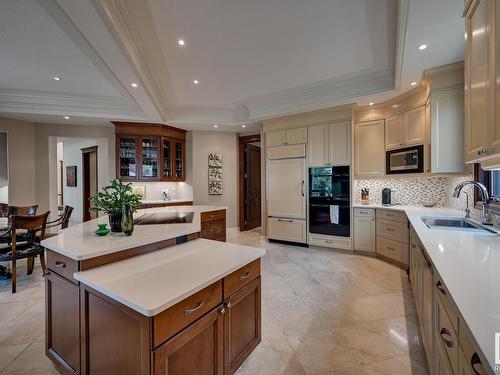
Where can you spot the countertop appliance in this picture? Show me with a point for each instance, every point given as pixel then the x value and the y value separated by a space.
pixel 330 201
pixel 386 197
pixel 405 160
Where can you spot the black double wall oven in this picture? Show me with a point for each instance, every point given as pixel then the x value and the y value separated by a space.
pixel 329 201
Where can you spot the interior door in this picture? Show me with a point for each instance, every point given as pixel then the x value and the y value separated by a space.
pixel 252 187
pixel 286 188
pixel 89 174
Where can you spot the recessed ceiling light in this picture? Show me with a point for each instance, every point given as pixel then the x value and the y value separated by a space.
pixel 216 126
pixel 371 103
pixel 413 83
pixel 422 47
pixel 57 78
pixel 133 84
pixel 196 81
pixel 66 117
pixel 243 126
pixel 395 105
pixel 181 42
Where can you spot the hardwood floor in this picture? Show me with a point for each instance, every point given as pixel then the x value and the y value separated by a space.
pixel 323 312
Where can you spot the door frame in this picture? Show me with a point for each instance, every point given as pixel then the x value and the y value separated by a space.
pixel 85 175
pixel 243 140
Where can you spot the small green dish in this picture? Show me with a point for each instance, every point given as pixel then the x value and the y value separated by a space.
pixel 102 231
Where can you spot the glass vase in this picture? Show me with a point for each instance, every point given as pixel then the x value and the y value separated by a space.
pixel 127 219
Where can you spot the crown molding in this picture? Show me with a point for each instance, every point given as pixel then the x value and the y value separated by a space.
pixel 46 103
pixel 202 115
pixel 401 32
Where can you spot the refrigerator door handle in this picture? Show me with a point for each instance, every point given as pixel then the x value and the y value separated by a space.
pixel 302 187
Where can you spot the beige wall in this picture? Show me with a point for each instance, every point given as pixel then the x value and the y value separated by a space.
pixel 46 157
pixel 199 145
pixel 21 140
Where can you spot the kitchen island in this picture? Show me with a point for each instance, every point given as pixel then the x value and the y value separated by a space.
pixel 160 301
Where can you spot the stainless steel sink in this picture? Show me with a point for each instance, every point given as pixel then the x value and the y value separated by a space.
pixel 455 223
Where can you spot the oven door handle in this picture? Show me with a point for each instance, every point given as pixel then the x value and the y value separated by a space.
pixel 302 187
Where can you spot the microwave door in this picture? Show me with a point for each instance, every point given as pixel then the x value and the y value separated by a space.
pixel 401 161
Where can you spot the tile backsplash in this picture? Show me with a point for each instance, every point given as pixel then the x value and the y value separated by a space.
pixel 415 190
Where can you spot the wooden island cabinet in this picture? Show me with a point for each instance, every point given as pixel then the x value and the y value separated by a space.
pixel 150 152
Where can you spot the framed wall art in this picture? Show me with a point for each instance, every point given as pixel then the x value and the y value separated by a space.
pixel 214 174
pixel 71 176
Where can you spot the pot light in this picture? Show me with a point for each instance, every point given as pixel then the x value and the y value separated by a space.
pixel 57 78
pixel 216 126
pixel 196 81
pixel 422 47
pixel 413 83
pixel 181 42
pixel 243 126
pixel 371 103
pixel 66 117
pixel 133 84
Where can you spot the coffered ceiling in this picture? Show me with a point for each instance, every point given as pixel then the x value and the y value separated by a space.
pixel 252 59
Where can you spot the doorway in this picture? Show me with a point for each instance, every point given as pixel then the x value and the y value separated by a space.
pixel 89 183
pixel 250 182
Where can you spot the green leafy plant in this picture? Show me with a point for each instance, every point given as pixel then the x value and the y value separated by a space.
pixel 113 196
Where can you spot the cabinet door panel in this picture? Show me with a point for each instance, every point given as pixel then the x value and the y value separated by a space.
pixel 495 134
pixel 477 82
pixel 149 153
pixel 364 234
pixel 127 159
pixel 286 188
pixel 63 321
pixel 179 161
pixel 340 143
pixel 318 145
pixel 202 340
pixel 275 138
pixel 394 132
pixel 242 325
pixel 414 126
pixel 167 159
pixel 296 136
pixel 369 155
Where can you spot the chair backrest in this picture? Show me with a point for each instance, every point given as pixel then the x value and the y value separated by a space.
pixel 23 211
pixel 68 210
pixel 31 224
pixel 4 210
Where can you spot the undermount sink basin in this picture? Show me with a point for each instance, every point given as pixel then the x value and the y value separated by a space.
pixel 455 223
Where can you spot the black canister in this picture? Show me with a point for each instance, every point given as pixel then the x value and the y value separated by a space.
pixel 386 196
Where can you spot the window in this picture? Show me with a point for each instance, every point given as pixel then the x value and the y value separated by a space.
pixel 490 179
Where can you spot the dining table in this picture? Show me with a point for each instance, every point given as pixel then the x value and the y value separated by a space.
pixel 4 226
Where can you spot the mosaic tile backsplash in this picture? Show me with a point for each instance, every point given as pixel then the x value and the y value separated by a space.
pixel 415 190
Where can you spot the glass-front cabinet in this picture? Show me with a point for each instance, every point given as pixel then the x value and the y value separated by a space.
pixel 150 152
pixel 149 158
pixel 127 157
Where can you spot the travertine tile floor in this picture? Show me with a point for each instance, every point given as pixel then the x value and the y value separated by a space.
pixel 324 312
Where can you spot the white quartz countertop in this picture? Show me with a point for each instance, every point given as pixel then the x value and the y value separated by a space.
pixel 469 263
pixel 162 201
pixel 79 242
pixel 153 282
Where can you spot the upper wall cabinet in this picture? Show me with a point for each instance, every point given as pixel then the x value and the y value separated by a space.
pixel 286 137
pixel 369 155
pixel 150 152
pixel 329 144
pixel 405 129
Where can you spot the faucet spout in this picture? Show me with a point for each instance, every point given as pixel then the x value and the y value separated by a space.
pixel 485 197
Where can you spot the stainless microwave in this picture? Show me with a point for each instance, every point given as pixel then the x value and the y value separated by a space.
pixel 405 160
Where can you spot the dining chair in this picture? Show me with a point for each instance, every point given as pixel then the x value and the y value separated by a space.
pixel 62 220
pixel 26 247
pixel 4 209
pixel 22 210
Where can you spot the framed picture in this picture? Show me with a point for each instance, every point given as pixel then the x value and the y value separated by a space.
pixel 214 174
pixel 71 176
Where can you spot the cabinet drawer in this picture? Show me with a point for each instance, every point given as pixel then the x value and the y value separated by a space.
pixel 446 337
pixel 286 230
pixel 470 362
pixel 61 265
pixel 213 215
pixel 286 152
pixel 364 212
pixel 213 229
pixel 174 319
pixel 392 249
pixel 344 243
pixel 393 230
pixel 241 277
pixel 443 295
pixel 391 215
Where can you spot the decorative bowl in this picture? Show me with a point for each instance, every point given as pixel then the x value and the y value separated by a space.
pixel 102 230
pixel 428 203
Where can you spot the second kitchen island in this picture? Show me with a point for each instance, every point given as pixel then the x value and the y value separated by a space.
pixel 190 308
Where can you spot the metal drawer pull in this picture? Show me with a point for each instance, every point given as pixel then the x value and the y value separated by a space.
pixel 212 216
pixel 286 221
pixel 390 229
pixel 328 241
pixel 448 341
pixel 390 215
pixel 440 288
pixel 188 311
pixel 391 248
pixel 244 276
pixel 363 212
pixel 59 264
pixel 475 361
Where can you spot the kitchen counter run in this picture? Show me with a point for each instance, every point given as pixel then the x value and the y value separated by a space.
pixel 79 242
